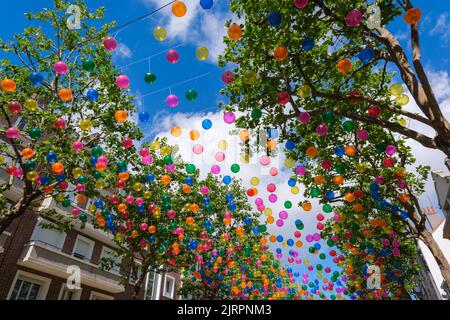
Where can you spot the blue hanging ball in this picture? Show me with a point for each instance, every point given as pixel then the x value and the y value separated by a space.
pixel 207 124
pixel 290 145
pixel 45 180
pixel 229 197
pixel 308 44
pixel 60 177
pixel 226 180
pixel 51 156
pixel 92 94
pixel 248 221
pixel 144 116
pixel 329 194
pixel 291 182
pixel 206 4
pixel 150 178
pixel 339 151
pixel 93 161
pixel 36 78
pixel 232 206
pixel 189 181
pixel 366 55
pixel 274 18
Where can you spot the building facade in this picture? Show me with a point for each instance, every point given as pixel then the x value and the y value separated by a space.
pixel 37 263
pixel 426 287
pixel 442 186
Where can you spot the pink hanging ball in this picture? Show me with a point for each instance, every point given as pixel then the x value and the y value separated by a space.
pixel 197 149
pixel 60 67
pixel 391 150
pixel 127 142
pixel 265 160
pixel 12 133
pixel 304 117
pixel 228 77
pixel 273 171
pixel 220 156
pixel 172 100
pixel 204 189
pixel 229 117
pixel 77 146
pixel 362 135
pixel 147 160
pixel 353 18
pixel 172 56
pixel 60 123
pixel 122 82
pixel 300 4
pixel 215 169
pixel 110 43
pixel 322 130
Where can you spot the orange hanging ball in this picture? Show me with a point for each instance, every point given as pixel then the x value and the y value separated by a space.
pixel 280 53
pixel 234 32
pixel 9 85
pixel 412 16
pixel 27 153
pixel 65 94
pixel 121 116
pixel 344 66
pixel 179 9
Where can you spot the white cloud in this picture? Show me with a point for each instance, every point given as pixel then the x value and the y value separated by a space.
pixel 441 28
pixel 122 51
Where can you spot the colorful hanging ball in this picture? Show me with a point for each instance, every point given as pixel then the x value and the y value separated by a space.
pixel 202 53
pixel 172 56
pixel 234 32
pixel 85 124
pixel 412 16
pixel 283 97
pixel 144 116
pixel 36 79
pixel 228 77
pixel 60 123
pixel 300 4
pixel 179 9
pixel 229 117
pixel 92 94
pixel 197 149
pixel 206 4
pixel 121 116
pixel 150 78
pixel 280 53
pixel 35 133
pixel 191 95
pixel 12 133
pixel 65 94
pixel 172 100
pixel 159 33
pixel 14 107
pixel 353 18
pixel 60 67
pixel 344 65
pixel 396 89
pixel 122 81
pixel 8 85
pixel 110 43
pixel 206 124
pixel 274 18
pixel 308 44
pixel 366 55
pixel 175 131
pixel 88 65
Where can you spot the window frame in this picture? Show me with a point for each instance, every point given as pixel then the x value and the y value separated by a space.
pixel 101 295
pixel 91 243
pixel 38 228
pixel 76 293
pixel 172 294
pixel 102 254
pixel 33 278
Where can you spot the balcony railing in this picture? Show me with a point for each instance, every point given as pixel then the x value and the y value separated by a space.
pixel 49 259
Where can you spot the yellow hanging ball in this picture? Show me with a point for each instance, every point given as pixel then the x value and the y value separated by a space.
pixel 77 172
pixel 402 100
pixel 159 33
pixel 254 181
pixel 166 150
pixel 244 157
pixel 202 53
pixel 59 197
pixel 154 145
pixel 304 91
pixel 396 89
pixel 85 124
pixel 30 104
pixel 100 184
pixel 361 167
pixel 268 211
pixel 289 163
pixel 295 190
pixel 138 187
pixel 147 194
pixel 250 77
pixel 223 145
pixel 402 122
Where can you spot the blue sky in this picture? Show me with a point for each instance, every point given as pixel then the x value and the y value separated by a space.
pixel 200 27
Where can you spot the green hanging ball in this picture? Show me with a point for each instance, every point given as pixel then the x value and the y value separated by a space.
pixel 288 204
pixel 165 198
pixel 191 95
pixel 190 168
pixel 381 147
pixel 150 78
pixel 330 242
pixel 328 117
pixel 83 217
pixel 263 228
pixel 88 65
pixel 256 113
pixel 66 203
pixel 97 175
pixel 30 165
pixel 168 160
pixel 315 192
pixel 35 133
pixel 322 256
pixel 340 169
pixel 82 179
pixel 327 208
pixel 235 168
pixel 97 151
pixel 348 126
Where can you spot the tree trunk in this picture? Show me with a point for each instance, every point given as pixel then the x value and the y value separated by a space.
pixel 439 256
pixel 138 285
pixel 16 211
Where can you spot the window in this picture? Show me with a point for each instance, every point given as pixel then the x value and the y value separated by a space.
pixel 149 286
pixel 83 248
pixel 28 286
pixel 169 287
pixel 100 296
pixel 3 237
pixel 68 294
pixel 49 237
pixel 137 265
pixel 109 253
